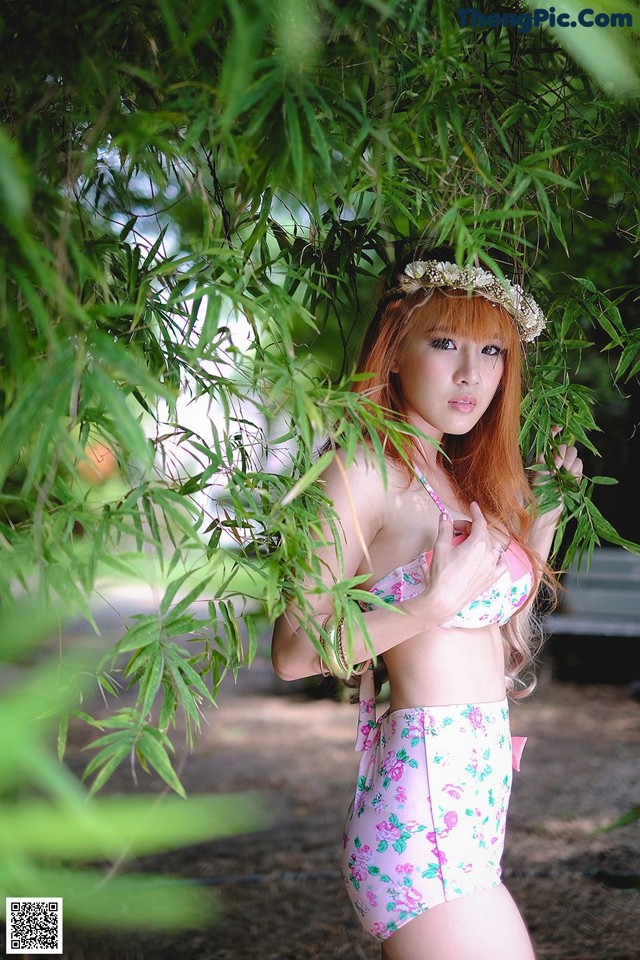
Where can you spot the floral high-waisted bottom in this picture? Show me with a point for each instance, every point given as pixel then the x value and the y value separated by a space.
pixel 428 819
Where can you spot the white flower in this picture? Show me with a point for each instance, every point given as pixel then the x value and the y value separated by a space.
pixel 416 269
pixel 511 299
pixel 481 278
pixel 449 272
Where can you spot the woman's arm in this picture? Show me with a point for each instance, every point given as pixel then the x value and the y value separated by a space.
pixel 457 574
pixel 542 533
pixel 358 496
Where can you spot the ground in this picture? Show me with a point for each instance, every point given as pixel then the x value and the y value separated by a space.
pixel 280 892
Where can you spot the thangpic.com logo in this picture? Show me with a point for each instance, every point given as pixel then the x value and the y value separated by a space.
pixel 527 21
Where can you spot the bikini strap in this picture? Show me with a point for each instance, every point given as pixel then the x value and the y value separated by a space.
pixel 434 496
pixel 367 709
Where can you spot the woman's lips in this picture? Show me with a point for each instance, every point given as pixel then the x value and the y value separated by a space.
pixel 463 405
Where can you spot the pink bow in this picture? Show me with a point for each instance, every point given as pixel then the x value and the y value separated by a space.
pixel 517 746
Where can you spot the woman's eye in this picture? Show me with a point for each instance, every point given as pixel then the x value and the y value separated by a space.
pixel 493 350
pixel 443 343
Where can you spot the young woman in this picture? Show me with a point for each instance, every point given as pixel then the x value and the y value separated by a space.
pixel 454 550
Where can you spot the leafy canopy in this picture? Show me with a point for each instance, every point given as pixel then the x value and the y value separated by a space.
pixel 195 201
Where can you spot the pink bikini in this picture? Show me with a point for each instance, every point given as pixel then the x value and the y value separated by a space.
pixel 427 822
pixel 495 605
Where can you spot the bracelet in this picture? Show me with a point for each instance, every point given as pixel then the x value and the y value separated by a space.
pixel 336 663
pixel 332 649
pixel 352 669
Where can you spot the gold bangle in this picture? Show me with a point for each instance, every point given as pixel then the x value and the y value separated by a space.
pixel 336 660
pixel 359 668
pixel 351 669
pixel 332 658
pixel 340 651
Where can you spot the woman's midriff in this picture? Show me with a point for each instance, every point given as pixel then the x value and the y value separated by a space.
pixel 440 667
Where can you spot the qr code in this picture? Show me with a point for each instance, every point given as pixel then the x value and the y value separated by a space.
pixel 34 925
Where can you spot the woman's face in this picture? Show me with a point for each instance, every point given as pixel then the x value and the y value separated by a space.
pixel 448 381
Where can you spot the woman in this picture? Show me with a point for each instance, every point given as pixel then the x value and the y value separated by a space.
pixel 425 832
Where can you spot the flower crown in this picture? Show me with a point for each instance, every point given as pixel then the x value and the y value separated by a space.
pixel 427 274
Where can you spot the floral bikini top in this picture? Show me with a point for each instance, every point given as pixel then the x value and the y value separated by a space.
pixel 496 605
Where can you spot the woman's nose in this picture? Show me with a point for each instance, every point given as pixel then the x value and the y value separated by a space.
pixel 467 369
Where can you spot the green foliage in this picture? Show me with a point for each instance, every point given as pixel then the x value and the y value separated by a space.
pixel 627 818
pixel 50 827
pixel 604 46
pixel 557 398
pixel 195 201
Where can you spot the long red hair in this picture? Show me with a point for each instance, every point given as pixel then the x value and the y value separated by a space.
pixel 485 464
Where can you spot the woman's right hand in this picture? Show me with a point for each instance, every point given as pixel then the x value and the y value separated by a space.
pixel 458 574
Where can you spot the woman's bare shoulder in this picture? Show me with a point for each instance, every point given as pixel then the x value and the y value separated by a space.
pixel 362 475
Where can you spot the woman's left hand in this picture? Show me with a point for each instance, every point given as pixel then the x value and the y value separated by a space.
pixel 565 457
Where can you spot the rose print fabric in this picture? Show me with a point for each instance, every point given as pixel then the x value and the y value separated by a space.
pixel 497 604
pixel 427 822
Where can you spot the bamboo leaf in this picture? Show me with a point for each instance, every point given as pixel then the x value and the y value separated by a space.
pixel 310 477
pixel 156 755
pixel 150 682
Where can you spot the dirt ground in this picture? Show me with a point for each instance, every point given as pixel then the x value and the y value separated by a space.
pixel 281 896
